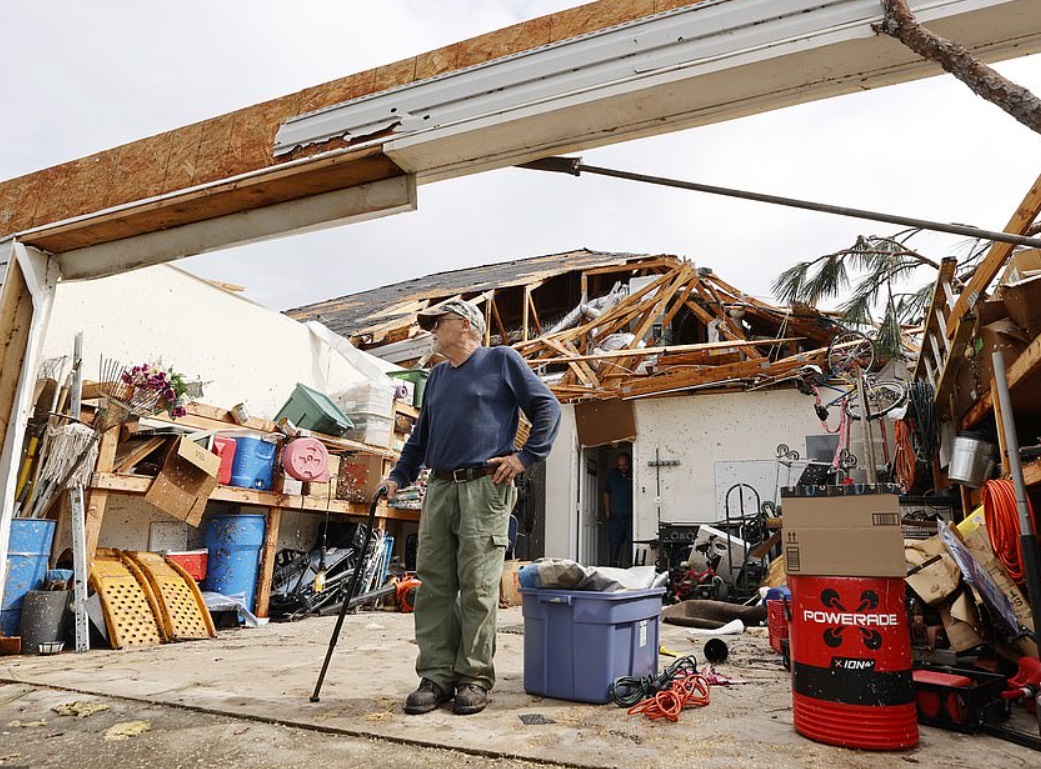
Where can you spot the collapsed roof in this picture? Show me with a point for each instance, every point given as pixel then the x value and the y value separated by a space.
pixel 597 324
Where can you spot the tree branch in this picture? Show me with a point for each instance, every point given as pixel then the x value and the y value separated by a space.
pixel 899 22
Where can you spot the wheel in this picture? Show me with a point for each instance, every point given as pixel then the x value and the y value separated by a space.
pixel 848 351
pixel 882 397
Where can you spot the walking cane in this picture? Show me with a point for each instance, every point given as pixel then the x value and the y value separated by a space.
pixel 355 578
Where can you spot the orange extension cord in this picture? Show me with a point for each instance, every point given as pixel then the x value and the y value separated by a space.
pixel 689 691
pixel 906 461
pixel 1002 517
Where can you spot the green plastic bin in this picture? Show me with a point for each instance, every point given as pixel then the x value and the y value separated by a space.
pixel 418 377
pixel 309 409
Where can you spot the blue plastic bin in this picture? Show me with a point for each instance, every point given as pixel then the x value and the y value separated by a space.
pixel 254 463
pixel 28 551
pixel 234 542
pixel 576 642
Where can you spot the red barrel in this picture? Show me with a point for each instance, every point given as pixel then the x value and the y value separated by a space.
pixel 851 662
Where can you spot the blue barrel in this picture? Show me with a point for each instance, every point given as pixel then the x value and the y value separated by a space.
pixel 234 542
pixel 254 463
pixel 28 551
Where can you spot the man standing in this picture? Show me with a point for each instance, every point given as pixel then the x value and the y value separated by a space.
pixel 465 435
pixel 618 503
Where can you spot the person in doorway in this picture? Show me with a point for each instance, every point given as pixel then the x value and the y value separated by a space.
pixel 618 504
pixel 465 435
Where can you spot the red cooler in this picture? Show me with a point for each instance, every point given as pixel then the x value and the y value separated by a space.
pixel 851 662
pixel 225 449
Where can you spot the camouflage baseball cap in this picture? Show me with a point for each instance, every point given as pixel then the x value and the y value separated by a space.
pixel 428 318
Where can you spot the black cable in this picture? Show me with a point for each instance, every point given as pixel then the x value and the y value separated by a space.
pixel 630 690
pixel 921 418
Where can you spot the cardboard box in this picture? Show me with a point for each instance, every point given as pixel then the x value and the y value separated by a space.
pixel 1023 303
pixel 978 542
pixel 327 490
pixel 509 586
pixel 359 477
pixel 185 482
pixel 933 574
pixel 843 531
pixel 961 623
pixel 1021 265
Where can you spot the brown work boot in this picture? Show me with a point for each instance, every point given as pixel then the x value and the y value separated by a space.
pixel 469 699
pixel 426 698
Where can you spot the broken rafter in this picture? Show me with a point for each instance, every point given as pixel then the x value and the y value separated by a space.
pixel 667 350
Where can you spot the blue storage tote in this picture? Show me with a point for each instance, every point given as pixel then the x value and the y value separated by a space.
pixel 577 642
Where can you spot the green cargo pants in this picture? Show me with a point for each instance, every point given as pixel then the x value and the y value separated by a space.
pixel 463 534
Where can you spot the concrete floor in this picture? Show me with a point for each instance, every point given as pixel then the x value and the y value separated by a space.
pixel 249 685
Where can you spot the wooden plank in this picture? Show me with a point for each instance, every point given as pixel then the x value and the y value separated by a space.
pixel 667 350
pixel 526 314
pixel 1032 472
pixel 580 368
pixel 686 378
pixel 16 315
pixel 277 185
pixel 680 303
pixel 1025 215
pixel 97 499
pixel 681 276
pixel 632 266
pixel 137 485
pixel 135 454
pixel 267 560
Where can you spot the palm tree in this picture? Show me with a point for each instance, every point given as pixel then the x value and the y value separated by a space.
pixel 872 272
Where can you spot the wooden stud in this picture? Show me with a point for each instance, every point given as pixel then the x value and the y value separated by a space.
pixel 267 560
pixel 97 500
pixel 16 315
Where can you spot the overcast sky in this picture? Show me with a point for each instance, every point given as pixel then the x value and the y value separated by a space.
pixel 80 77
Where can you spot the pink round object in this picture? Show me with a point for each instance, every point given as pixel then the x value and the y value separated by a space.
pixel 306 459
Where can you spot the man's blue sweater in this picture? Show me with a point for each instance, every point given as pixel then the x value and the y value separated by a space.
pixel 470 415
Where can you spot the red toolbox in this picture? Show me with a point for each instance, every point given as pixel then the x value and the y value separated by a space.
pixel 961 700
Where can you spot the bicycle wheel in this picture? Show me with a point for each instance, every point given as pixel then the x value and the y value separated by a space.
pixel 882 397
pixel 848 351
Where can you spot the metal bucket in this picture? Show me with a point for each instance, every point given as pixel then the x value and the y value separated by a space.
pixel 972 460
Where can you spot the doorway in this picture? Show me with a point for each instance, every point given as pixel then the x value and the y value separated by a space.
pixel 595 465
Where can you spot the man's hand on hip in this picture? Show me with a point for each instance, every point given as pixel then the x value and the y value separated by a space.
pixel 506 468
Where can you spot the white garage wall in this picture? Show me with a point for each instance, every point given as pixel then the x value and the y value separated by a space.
pixel 247 352
pixel 698 430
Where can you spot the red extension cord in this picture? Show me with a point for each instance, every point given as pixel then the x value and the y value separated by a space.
pixel 1002 517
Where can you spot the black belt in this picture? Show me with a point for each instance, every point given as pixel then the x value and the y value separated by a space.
pixel 464 474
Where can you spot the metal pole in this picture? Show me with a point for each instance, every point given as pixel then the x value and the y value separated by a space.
pixel 575 167
pixel 1027 535
pixel 865 421
pixel 79 526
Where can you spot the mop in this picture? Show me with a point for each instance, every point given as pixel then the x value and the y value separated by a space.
pixel 71 456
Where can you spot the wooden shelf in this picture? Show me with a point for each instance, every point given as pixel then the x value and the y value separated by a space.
pixel 406 410
pixel 1032 472
pixel 138 485
pixel 1022 369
